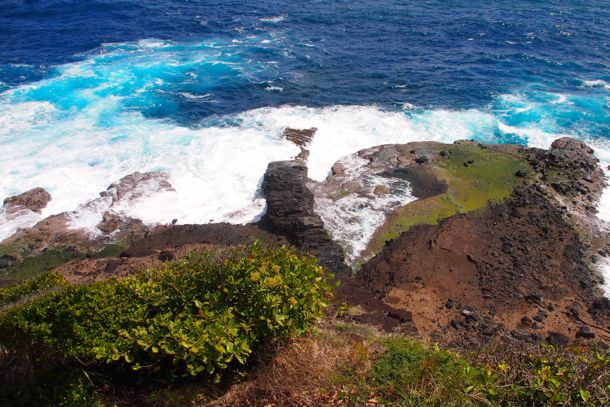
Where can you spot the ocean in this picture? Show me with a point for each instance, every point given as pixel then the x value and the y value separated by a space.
pixel 91 91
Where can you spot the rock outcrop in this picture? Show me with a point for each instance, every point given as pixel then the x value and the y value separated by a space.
pixel 136 185
pixel 572 170
pixel 35 200
pixel 290 212
pixel 301 138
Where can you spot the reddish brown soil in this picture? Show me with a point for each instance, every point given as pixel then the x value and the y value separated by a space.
pixel 164 243
pixel 476 276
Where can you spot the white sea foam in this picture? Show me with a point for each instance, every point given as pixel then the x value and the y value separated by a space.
pixel 273 19
pixel 353 219
pixel 215 170
pixel 598 83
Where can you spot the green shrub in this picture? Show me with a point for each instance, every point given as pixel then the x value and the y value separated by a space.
pixel 194 315
pixel 30 288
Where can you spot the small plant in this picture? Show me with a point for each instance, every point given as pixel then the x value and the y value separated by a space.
pixel 411 373
pixel 548 376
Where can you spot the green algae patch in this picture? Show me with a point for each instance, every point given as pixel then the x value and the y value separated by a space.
pixel 476 176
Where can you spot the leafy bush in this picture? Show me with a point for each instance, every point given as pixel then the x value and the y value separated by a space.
pixel 26 290
pixel 194 315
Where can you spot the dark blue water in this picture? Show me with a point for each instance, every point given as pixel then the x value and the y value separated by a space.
pixel 455 54
pixel 92 90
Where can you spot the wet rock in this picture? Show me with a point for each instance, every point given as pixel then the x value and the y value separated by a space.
pixel 35 199
pixel 137 185
pixel 299 137
pixel 381 190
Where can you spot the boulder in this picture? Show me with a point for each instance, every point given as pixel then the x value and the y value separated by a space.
pixel 35 199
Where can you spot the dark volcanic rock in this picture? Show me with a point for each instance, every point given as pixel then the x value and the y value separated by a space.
pixel 174 236
pixel 585 333
pixel 571 169
pixel 300 137
pixel 290 212
pixel 35 200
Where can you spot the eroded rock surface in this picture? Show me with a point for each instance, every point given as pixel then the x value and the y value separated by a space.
pixel 137 185
pixel 571 169
pixel 300 137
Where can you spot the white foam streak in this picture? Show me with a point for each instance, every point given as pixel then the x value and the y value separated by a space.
pixel 597 84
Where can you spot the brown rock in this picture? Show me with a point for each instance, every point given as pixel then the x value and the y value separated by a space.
pixel 299 137
pixel 35 200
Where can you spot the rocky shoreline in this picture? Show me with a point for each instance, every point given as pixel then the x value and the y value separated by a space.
pixel 472 243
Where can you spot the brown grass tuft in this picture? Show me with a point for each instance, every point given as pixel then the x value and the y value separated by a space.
pixel 305 372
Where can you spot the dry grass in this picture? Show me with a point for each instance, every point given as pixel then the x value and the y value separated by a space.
pixel 305 372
